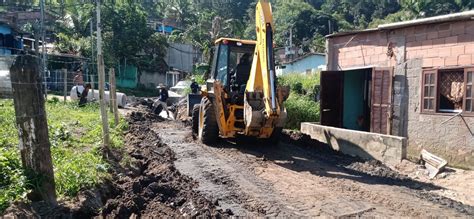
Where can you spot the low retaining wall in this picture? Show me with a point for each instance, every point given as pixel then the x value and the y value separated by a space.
pixel 386 148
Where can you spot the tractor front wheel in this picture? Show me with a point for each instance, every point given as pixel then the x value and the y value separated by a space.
pixel 208 130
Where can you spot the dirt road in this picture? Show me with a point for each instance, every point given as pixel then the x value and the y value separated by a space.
pixel 299 178
pixel 162 171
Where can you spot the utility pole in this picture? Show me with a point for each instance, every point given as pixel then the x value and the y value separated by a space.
pixel 92 53
pixel 34 145
pixel 101 72
pixel 43 52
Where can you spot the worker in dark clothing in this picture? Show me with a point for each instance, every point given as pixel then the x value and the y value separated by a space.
pixel 162 100
pixel 242 73
pixel 84 94
pixel 194 86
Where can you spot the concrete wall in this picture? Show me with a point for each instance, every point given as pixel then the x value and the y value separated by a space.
pixel 182 56
pixel 151 80
pixel 5 82
pixel 388 149
pixel 410 50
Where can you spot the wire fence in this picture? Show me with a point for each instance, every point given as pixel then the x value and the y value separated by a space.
pixel 56 80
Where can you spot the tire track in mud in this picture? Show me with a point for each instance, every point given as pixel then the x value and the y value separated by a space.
pixel 292 179
pixel 226 181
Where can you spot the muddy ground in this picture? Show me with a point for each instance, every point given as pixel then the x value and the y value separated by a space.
pixel 165 173
pixel 300 177
pixel 145 183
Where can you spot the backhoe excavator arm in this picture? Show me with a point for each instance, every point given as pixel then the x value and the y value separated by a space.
pixel 261 86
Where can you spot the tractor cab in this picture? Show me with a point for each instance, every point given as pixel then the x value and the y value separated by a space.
pixel 231 66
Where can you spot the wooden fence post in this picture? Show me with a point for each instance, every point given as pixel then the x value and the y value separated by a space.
pixel 101 72
pixel 113 95
pixel 111 100
pixel 92 86
pixel 32 128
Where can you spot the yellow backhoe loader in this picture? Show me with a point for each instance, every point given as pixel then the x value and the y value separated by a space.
pixel 241 96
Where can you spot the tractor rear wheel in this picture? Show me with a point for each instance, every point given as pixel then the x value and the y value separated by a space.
pixel 208 130
pixel 195 120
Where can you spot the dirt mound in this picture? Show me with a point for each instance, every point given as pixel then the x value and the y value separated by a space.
pixel 147 184
pixel 139 116
pixel 151 184
pixel 181 111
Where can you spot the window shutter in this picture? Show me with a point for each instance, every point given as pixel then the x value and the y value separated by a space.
pixel 429 92
pixel 381 109
pixel 468 105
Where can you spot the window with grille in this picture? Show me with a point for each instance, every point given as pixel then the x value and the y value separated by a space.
pixel 447 91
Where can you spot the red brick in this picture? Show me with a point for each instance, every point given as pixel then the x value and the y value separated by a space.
pixel 451 60
pixel 410 30
pixel 420 37
pixel 458 28
pixel 350 62
pixel 413 46
pixel 427 62
pixel 439 42
pixel 420 53
pixel 444 52
pixel 465 59
pixel 466 38
pixel 469 48
pixel 341 56
pixel 445 33
pixel 438 61
pixel 411 38
pixel 427 44
pixel 457 50
pixel 469 29
pixel 432 35
pixel 370 51
pixel 444 27
pixel 452 40
pixel 379 50
pixel 348 55
pixel 420 29
pixel 431 53
pixel 374 58
pixel 359 61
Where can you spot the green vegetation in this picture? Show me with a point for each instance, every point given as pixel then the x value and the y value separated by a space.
pixel 75 136
pixel 301 105
pixel 128 38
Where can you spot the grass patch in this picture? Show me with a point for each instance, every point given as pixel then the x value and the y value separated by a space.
pixel 300 109
pixel 75 135
pixel 300 105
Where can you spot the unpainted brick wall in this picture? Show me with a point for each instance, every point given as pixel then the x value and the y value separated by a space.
pixel 409 51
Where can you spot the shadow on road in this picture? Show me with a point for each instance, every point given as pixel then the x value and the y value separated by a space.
pixel 303 154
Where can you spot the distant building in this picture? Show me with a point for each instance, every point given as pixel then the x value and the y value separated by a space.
pixel 306 64
pixel 180 59
pixel 10 44
pixel 10 40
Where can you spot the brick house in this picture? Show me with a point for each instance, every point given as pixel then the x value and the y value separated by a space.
pixel 410 79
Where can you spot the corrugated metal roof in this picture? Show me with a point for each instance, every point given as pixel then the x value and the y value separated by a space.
pixel 466 15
